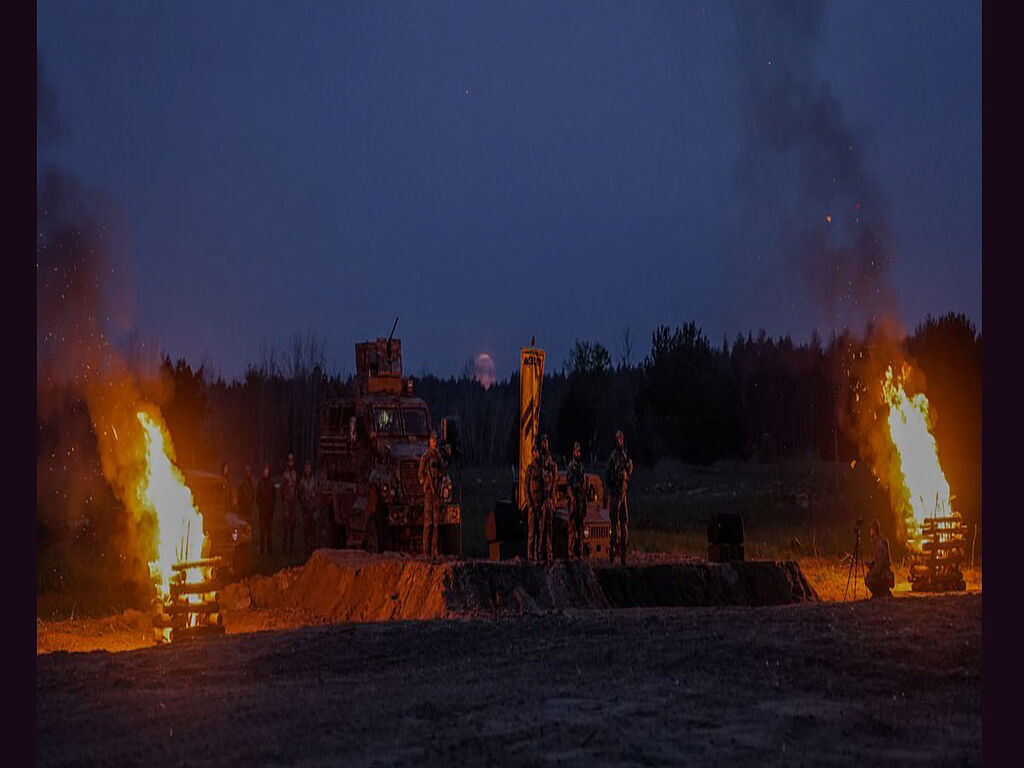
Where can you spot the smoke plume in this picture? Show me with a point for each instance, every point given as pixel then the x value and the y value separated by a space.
pixel 88 533
pixel 802 171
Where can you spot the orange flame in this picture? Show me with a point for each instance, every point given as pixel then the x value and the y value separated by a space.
pixel 925 492
pixel 162 490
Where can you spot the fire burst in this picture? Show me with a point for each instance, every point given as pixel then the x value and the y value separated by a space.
pixel 162 489
pixel 925 491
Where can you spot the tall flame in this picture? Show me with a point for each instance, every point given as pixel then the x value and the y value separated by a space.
pixel 162 489
pixel 925 492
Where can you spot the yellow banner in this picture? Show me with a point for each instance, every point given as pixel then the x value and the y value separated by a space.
pixel 531 377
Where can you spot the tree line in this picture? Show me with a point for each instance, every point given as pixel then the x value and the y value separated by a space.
pixel 756 398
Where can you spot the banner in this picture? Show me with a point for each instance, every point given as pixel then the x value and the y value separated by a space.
pixel 531 377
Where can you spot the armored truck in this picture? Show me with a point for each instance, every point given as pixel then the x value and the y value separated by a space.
pixel 228 533
pixel 371 441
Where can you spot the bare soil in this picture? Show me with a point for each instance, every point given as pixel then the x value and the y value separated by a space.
pixel 338 586
pixel 876 682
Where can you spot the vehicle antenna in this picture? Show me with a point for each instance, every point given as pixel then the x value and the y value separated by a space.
pixel 390 335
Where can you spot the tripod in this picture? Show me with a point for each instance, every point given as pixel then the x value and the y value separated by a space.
pixel 857 569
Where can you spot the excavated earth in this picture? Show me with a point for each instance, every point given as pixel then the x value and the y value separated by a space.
pixel 343 586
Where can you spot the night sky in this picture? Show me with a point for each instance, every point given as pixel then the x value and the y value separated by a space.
pixel 490 171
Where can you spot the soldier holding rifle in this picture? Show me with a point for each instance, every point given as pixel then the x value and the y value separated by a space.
pixel 534 481
pixel 549 475
pixel 431 473
pixel 620 468
pixel 576 485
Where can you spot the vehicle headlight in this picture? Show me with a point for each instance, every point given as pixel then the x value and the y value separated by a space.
pixel 234 534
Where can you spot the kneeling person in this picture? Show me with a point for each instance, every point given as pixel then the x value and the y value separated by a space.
pixel 879 577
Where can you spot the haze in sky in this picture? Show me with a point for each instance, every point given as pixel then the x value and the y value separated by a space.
pixel 491 172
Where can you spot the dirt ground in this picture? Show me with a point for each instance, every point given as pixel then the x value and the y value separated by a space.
pixel 132 629
pixel 883 682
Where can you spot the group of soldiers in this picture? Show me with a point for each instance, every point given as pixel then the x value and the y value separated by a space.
pixel 540 480
pixel 295 493
pixel 300 493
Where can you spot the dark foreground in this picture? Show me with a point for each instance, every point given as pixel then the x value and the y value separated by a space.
pixel 884 683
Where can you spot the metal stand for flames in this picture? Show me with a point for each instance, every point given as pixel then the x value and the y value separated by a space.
pixel 192 609
pixel 937 567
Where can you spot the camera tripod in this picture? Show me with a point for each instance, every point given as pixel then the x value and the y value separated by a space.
pixel 857 568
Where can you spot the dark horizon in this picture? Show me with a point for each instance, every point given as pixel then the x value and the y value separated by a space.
pixel 490 175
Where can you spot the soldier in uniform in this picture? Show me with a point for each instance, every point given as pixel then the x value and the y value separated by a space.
pixel 620 468
pixel 289 488
pixel 879 577
pixel 550 475
pixel 266 500
pixel 431 473
pixel 307 498
pixel 534 481
pixel 246 494
pixel 576 485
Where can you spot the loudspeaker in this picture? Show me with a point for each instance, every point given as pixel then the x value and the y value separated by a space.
pixel 725 537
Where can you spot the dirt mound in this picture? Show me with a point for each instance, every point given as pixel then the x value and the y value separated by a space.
pixel 342 586
pixel 700 583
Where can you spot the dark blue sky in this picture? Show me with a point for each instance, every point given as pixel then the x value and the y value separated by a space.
pixel 494 171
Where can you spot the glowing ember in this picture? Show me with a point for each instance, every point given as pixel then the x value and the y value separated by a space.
pixel 162 489
pixel 925 491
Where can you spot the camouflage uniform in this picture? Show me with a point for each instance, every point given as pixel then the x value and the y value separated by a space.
pixel 576 485
pixel 620 468
pixel 307 498
pixel 550 475
pixel 534 506
pixel 431 473
pixel 289 485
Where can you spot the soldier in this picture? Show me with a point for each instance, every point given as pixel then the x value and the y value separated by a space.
pixel 307 498
pixel 289 487
pixel 246 494
pixel 266 500
pixel 575 481
pixel 431 473
pixel 550 470
pixel 534 481
pixel 620 468
pixel 879 577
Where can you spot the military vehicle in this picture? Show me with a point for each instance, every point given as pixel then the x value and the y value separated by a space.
pixel 371 441
pixel 228 534
pixel 507 521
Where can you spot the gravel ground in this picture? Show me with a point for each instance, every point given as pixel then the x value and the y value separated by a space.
pixel 883 682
